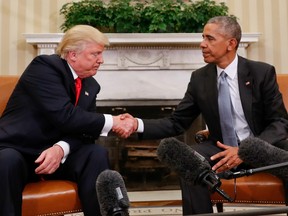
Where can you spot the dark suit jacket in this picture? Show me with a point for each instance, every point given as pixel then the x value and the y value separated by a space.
pixel 41 110
pixel 261 100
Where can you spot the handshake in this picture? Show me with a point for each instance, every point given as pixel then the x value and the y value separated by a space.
pixel 124 125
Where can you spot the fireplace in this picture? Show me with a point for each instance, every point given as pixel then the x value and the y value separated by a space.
pixel 137 160
pixel 145 75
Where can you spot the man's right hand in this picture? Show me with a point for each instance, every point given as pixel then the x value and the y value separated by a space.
pixel 124 125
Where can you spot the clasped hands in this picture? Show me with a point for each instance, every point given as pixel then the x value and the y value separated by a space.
pixel 124 125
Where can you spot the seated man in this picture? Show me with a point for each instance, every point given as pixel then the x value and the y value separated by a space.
pixel 227 84
pixel 48 128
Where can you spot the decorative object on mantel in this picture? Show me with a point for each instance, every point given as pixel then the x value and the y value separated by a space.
pixel 137 16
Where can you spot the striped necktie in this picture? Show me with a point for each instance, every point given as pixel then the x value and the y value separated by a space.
pixel 225 112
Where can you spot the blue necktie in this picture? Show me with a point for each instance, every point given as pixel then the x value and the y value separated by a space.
pixel 225 112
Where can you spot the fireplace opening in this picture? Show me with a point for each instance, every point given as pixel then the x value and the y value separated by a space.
pixel 136 160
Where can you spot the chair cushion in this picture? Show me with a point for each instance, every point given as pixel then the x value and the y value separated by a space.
pixel 50 197
pixel 262 188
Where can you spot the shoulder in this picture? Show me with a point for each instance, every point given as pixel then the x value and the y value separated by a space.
pixel 49 60
pixel 260 72
pixel 91 81
pixel 209 70
pixel 255 65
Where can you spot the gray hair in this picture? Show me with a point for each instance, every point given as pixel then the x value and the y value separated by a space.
pixel 228 26
pixel 76 39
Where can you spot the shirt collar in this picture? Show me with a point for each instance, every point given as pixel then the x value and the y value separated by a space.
pixel 230 70
pixel 75 76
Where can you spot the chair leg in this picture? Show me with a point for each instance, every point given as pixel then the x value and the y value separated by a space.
pixel 219 207
pixel 285 185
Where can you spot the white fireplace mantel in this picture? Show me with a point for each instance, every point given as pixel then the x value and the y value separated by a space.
pixel 144 66
pixel 47 42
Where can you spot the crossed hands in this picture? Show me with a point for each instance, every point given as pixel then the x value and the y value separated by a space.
pixel 124 125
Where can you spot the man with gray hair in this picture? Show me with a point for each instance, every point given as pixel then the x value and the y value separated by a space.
pixel 254 102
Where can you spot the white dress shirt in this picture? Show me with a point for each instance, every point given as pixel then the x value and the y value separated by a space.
pixel 241 126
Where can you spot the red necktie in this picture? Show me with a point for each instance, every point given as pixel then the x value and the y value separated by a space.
pixel 78 85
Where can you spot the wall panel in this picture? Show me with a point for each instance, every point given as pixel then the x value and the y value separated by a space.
pixel 268 17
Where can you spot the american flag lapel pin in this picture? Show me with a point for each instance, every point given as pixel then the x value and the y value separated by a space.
pixel 86 93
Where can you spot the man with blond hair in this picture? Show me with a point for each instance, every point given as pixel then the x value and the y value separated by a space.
pixel 48 129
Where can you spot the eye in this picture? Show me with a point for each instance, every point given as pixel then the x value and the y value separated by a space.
pixel 95 54
pixel 210 38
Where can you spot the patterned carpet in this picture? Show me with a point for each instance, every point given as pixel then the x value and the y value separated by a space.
pixel 168 202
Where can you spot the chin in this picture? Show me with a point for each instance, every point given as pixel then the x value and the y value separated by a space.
pixel 208 60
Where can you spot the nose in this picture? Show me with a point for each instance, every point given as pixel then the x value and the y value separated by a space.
pixel 203 44
pixel 100 59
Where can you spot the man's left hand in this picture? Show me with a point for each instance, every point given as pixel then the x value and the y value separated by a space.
pixel 228 158
pixel 49 160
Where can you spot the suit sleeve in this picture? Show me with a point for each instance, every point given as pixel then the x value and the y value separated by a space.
pixel 274 122
pixel 46 83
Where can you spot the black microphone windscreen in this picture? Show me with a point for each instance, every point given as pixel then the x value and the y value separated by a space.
pixel 183 159
pixel 112 193
pixel 259 153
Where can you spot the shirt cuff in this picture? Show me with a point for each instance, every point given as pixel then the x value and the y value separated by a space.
pixel 140 128
pixel 108 125
pixel 66 149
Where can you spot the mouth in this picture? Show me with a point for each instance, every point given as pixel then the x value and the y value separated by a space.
pixel 205 54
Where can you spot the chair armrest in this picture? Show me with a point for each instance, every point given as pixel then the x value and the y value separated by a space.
pixel 201 136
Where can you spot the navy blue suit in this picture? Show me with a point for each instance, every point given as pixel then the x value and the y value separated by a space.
pixel 41 112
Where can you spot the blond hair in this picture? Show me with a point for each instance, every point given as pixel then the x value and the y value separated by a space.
pixel 76 39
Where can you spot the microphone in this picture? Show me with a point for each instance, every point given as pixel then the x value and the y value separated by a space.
pixel 264 156
pixel 189 164
pixel 112 194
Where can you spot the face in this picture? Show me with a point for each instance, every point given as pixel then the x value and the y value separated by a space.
pixel 216 47
pixel 86 62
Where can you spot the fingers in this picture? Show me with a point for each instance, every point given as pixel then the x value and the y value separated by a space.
pixel 228 158
pixel 126 115
pixel 124 125
pixel 49 161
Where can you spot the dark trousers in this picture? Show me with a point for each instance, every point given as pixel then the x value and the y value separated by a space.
pixel 82 166
pixel 196 198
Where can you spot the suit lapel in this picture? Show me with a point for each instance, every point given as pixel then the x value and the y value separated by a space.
pixel 212 95
pixel 212 84
pixel 245 81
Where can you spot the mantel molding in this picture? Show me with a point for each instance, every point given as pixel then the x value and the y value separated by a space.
pixel 138 63
pixel 46 43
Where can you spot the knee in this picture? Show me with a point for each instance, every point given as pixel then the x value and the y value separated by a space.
pixel 11 157
pixel 100 152
pixel 11 161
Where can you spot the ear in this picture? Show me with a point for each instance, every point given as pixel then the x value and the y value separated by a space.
pixel 232 44
pixel 72 55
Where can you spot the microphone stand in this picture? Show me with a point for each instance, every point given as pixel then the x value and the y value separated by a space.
pixel 213 182
pixel 118 211
pixel 231 175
